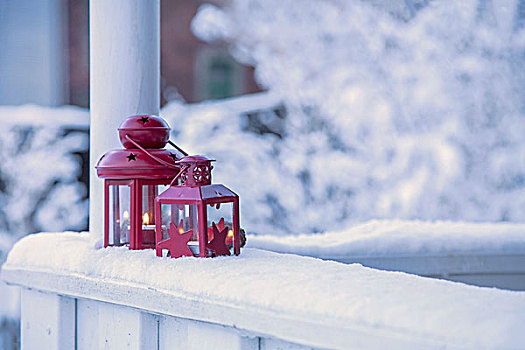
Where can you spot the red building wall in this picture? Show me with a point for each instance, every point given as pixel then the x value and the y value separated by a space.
pixel 189 67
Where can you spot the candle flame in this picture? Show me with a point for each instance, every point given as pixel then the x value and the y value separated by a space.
pixel 125 215
pixel 230 233
pixel 145 219
pixel 181 230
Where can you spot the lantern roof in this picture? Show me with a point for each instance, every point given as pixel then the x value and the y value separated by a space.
pixel 194 159
pixel 206 193
pixel 149 131
pixel 143 122
pixel 196 171
pixel 135 164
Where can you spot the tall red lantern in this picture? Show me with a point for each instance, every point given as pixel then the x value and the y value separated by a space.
pixel 133 178
pixel 198 218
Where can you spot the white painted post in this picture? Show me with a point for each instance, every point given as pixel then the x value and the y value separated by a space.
pixel 173 332
pixel 207 336
pixel 121 327
pixel 125 79
pixel 87 324
pixel 48 321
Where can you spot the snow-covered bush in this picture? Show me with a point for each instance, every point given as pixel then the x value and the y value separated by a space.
pixel 40 189
pixel 10 305
pixel 244 158
pixel 39 170
pixel 388 116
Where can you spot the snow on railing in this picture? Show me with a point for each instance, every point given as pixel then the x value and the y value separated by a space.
pixel 482 254
pixel 119 298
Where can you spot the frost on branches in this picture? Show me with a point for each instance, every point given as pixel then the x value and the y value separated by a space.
pixel 39 185
pixel 388 115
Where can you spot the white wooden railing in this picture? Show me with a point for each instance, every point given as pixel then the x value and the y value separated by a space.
pixel 481 254
pixel 75 296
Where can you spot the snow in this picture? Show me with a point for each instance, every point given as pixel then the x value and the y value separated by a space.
pixel 217 130
pixel 31 115
pixel 400 237
pixel 10 296
pixel 326 292
pixel 39 183
pixel 391 114
pixel 39 173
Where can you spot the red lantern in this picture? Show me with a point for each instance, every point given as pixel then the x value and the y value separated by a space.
pixel 134 176
pixel 197 218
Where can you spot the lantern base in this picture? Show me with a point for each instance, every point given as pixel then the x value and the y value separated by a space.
pixel 148 236
pixel 194 247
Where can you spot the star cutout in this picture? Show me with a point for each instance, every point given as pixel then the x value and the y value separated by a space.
pixel 173 156
pixel 131 157
pixel 220 227
pixel 177 244
pixel 218 243
pixel 144 120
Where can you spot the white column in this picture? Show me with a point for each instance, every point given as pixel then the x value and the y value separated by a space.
pixel 125 78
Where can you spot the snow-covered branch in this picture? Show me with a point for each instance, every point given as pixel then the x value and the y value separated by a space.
pixel 388 116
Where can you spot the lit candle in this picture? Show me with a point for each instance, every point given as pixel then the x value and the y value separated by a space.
pixel 229 237
pixel 145 222
pixel 148 231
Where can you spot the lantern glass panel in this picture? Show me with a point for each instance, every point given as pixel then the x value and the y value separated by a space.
pixel 149 193
pixel 184 217
pixel 119 214
pixel 223 218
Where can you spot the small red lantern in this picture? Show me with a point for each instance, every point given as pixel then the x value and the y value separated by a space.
pixel 134 176
pixel 198 218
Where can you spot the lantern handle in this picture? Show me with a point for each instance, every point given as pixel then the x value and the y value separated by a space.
pixel 179 174
pixel 150 155
pixel 178 148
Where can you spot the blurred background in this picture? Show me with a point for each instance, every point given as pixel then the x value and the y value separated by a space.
pixel 45 55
